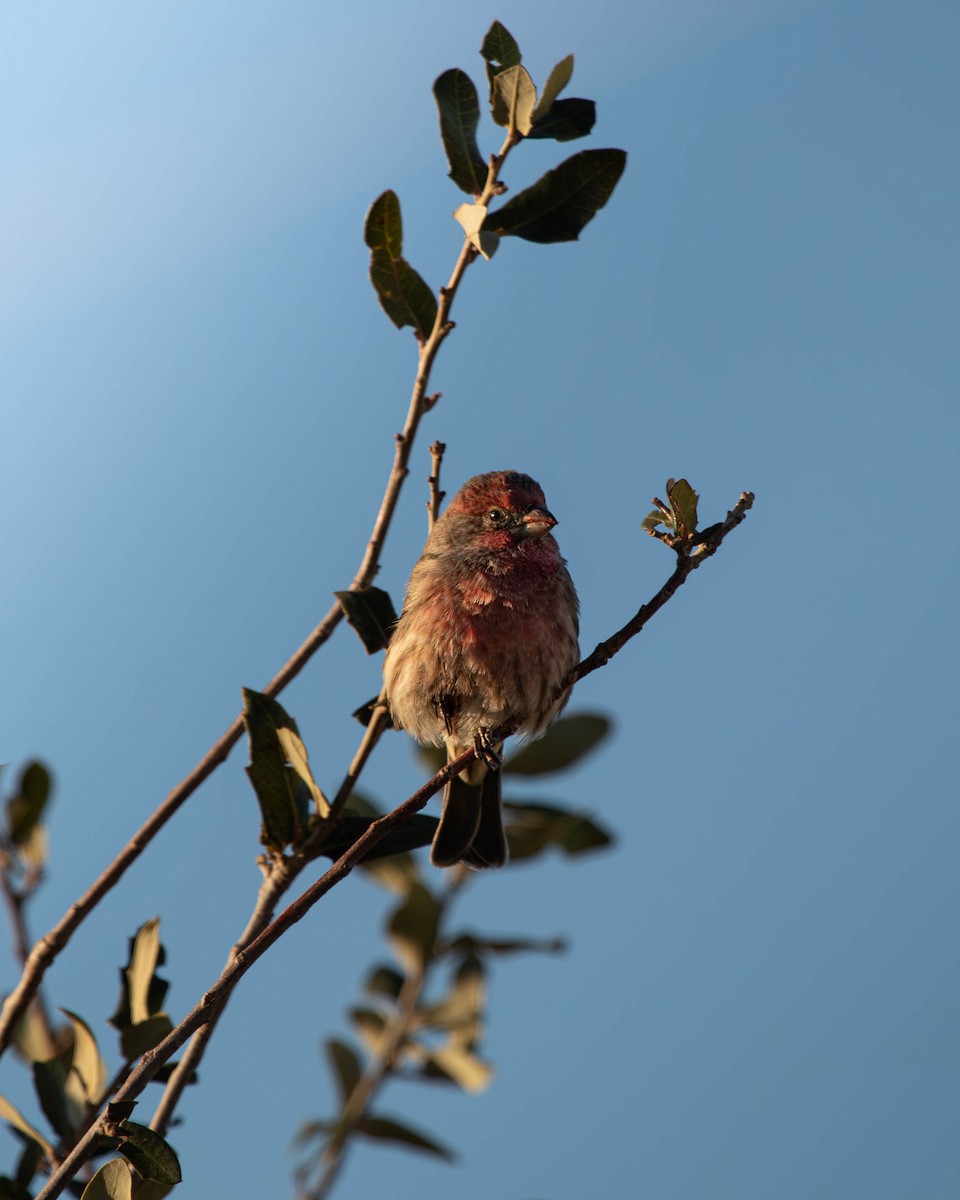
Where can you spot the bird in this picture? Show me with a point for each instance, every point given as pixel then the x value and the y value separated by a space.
pixel 487 634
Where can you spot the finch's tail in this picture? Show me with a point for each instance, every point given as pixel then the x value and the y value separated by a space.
pixel 471 828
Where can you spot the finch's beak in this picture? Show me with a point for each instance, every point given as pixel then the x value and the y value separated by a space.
pixel 537 522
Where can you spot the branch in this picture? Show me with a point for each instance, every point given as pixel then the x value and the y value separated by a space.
pixel 436 495
pixel 49 946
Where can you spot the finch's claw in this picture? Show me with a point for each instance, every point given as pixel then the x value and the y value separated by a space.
pixel 487 751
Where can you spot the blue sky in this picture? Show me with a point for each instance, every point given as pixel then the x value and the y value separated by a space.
pixel 200 395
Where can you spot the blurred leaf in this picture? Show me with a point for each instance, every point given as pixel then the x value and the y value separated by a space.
pixel 403 295
pixel 566 121
pixel 346 1066
pixel 514 99
pixel 557 80
pixel 150 1189
pixel 411 835
pixel 432 757
pixel 25 807
pixel 163 1074
pixel 384 981
pixel 389 1130
pixel 119 1110
pixel 472 1074
pixel 531 828
pixel 560 203
pixel 138 1039
pixel 683 501
pixel 483 945
pixel 112 1182
pixel 412 929
pixel 87 1064
pixel 460 1013
pixel 499 50
pixel 49 1081
pixel 283 797
pixel 14 1117
pixel 31 1036
pixel 29 1164
pixel 151 1155
pixel 370 1025
pixel 372 615
pixel 459 110
pixel 470 218
pixel 142 991
pixel 564 743
pixel 655 518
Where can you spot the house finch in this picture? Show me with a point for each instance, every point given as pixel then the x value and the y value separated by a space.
pixel 487 633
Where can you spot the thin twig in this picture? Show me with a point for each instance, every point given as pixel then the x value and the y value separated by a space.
pixel 436 495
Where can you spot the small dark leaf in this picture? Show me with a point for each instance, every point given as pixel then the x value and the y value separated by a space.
pixel 137 1039
pixel 402 293
pixel 150 1155
pixel 383 225
pixel 566 121
pixel 514 99
pixel 29 1163
pixel 372 615
pixel 482 945
pixel 384 981
pixel 49 1081
pixel 531 828
pixel 389 1130
pixel 168 1068
pixel 413 927
pixel 564 743
pixel 558 79
pixel 411 835
pixel 459 110
pixel 500 51
pixel 283 796
pixel 370 1025
pixel 364 714
pixel 25 807
pixel 558 205
pixel 119 1110
pixel 683 501
pixel 346 1067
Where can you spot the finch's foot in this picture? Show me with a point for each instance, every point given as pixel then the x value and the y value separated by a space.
pixel 487 750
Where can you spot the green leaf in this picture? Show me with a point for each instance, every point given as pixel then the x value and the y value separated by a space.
pixel 13 1116
pixel 372 615
pixel 384 981
pixel 283 797
pixel 470 218
pixel 142 991
pixel 112 1182
pixel 151 1155
pixel 390 1130
pixel 403 295
pixel 25 807
pixel 499 51
pixel 559 204
pixel 653 519
pixel 383 225
pixel 683 501
pixel 138 1039
pixel 49 1081
pixel 87 1065
pixel 566 120
pixel 532 828
pixel 412 929
pixel 514 99
pixel 459 110
pixel 564 743
pixel 557 80
pixel 411 835
pixel 346 1067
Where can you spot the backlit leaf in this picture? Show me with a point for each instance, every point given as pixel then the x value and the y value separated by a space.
pixel 557 80
pixel 283 797
pixel 514 99
pixel 459 110
pixel 113 1181
pixel 87 1064
pixel 13 1116
pixel 412 929
pixel 560 203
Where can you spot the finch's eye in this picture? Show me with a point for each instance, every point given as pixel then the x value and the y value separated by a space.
pixel 495 516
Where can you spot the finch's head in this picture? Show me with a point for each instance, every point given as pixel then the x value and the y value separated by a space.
pixel 501 508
